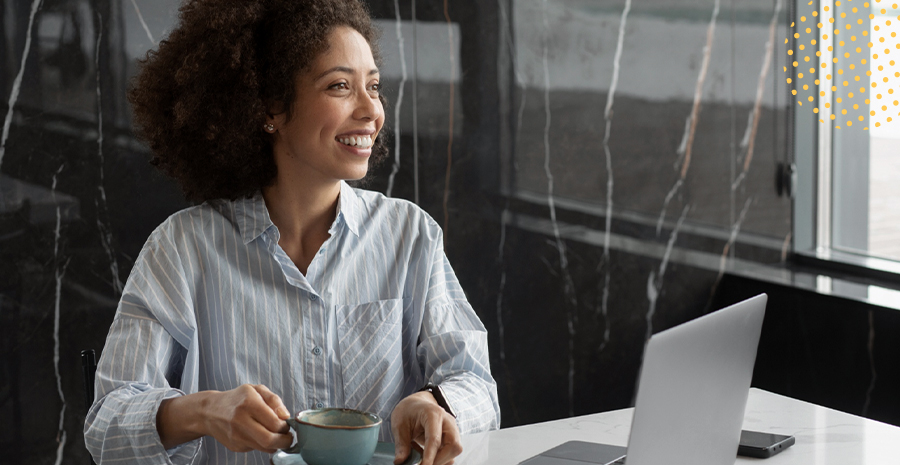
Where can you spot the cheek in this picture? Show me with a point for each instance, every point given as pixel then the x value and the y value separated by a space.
pixel 380 121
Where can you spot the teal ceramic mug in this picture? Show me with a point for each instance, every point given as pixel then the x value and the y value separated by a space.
pixel 335 436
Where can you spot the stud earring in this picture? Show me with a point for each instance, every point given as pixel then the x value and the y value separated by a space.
pixel 269 127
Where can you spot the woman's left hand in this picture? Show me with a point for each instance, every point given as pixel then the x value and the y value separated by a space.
pixel 419 419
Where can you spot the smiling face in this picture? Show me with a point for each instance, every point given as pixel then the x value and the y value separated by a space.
pixel 335 116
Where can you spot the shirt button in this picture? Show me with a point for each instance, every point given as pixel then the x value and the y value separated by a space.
pixel 319 405
pixel 317 351
pixel 312 297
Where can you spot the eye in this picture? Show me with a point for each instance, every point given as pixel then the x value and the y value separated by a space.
pixel 375 88
pixel 339 86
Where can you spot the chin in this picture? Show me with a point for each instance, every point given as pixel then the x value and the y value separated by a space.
pixel 356 175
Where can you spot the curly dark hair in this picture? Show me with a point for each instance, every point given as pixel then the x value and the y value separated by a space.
pixel 200 99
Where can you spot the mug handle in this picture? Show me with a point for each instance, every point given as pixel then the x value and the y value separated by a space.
pixel 295 427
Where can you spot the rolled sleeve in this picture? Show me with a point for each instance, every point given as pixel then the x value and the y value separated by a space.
pixel 455 357
pixel 143 364
pixel 122 428
pixel 453 349
pixel 130 385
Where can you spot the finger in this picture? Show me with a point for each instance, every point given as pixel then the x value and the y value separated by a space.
pixel 448 452
pixel 268 420
pixel 273 401
pixel 402 439
pixel 279 441
pixel 451 444
pixel 260 438
pixel 432 436
pixel 262 414
pixel 267 412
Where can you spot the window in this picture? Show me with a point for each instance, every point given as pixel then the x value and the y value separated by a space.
pixel 847 135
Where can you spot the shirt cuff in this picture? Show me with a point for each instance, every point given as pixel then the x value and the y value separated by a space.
pixel 183 453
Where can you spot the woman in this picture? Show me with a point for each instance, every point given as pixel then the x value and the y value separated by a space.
pixel 286 289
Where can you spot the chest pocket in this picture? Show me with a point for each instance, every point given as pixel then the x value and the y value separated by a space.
pixel 369 338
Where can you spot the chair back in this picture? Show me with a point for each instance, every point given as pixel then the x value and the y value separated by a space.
pixel 88 367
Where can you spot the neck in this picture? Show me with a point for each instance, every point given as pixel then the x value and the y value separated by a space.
pixel 303 213
pixel 300 209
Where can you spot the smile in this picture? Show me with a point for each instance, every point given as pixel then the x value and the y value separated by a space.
pixel 362 142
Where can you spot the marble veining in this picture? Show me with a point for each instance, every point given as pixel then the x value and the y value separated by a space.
pixel 723 259
pixel 682 146
pixel 786 246
pixel 504 219
pixel 60 273
pixel 870 352
pixel 452 60
pixel 101 204
pixel 655 280
pixel 521 80
pixel 506 214
pixel 690 126
pixel 399 104
pixel 669 195
pixel 568 284
pixel 753 121
pixel 698 89
pixel 415 105
pixel 143 23
pixel 607 115
pixel 17 83
pixel 687 141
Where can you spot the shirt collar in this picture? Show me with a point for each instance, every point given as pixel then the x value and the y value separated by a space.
pixel 350 208
pixel 253 219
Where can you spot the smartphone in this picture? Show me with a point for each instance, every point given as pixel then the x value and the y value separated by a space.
pixel 762 445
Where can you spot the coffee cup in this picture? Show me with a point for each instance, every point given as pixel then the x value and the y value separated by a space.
pixel 335 436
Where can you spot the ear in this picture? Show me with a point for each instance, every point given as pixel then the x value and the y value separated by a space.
pixel 275 114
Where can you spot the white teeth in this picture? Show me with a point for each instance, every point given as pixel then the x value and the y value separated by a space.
pixel 362 142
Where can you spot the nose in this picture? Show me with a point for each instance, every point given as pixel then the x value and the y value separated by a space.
pixel 368 106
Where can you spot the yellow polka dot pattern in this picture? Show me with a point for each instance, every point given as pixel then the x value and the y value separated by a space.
pixel 859 51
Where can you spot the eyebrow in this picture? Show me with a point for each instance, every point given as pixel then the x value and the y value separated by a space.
pixel 344 69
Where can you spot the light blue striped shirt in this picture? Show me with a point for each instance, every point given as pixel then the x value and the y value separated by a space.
pixel 213 302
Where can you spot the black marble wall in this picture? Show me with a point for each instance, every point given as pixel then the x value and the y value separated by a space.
pixel 825 349
pixel 596 165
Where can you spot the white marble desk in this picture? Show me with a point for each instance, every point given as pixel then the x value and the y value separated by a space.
pixel 824 436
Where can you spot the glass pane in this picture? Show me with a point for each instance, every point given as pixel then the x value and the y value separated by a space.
pixel 884 157
pixel 866 195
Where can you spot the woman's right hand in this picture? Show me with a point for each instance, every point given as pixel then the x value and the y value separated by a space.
pixel 250 417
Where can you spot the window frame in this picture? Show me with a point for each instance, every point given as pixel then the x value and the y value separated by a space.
pixel 818 161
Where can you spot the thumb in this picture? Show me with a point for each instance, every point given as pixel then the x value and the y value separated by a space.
pixel 401 444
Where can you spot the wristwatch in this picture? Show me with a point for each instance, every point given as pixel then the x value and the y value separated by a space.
pixel 435 391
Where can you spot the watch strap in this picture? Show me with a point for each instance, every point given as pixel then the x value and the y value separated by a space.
pixel 438 394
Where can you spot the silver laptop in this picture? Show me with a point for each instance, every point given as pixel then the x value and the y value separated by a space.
pixel 691 397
